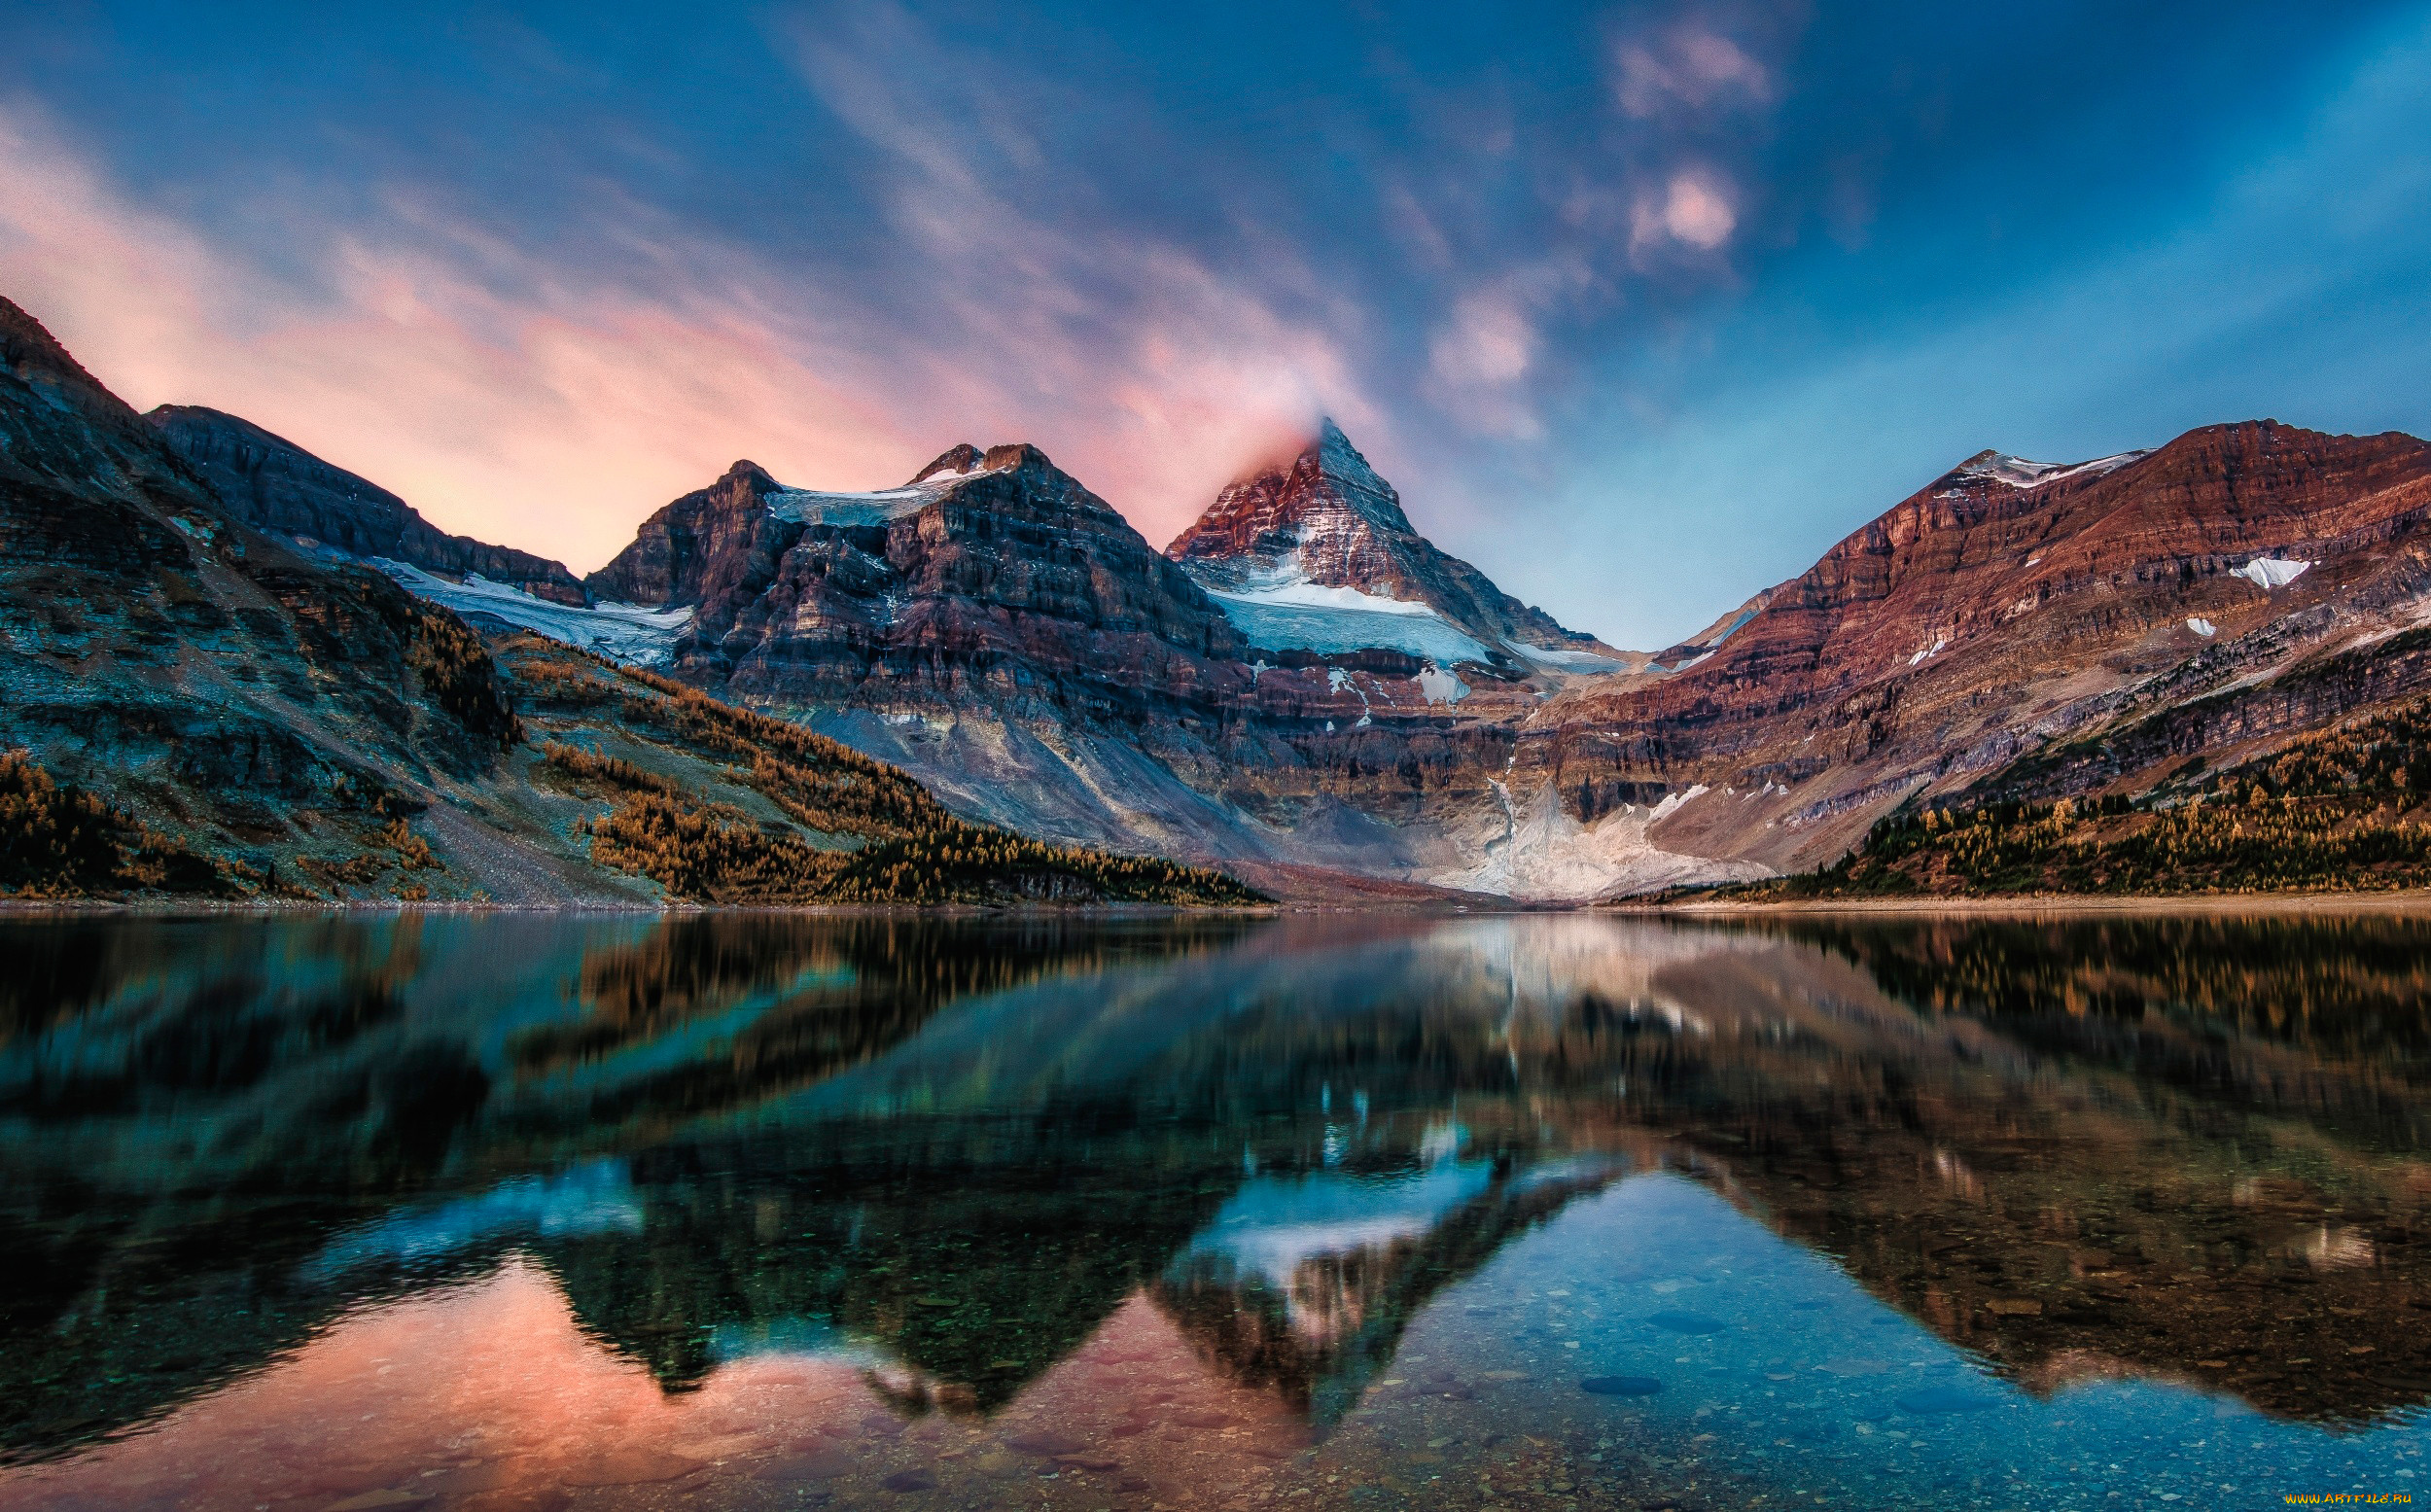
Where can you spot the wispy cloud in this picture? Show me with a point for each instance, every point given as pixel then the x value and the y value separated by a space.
pixel 553 402
pixel 1145 368
pixel 552 416
pixel 1687 66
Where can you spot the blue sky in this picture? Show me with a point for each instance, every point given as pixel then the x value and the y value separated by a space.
pixel 1641 306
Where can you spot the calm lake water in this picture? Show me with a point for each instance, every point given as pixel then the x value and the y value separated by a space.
pixel 581 1211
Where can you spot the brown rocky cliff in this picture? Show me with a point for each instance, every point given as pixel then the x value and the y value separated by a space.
pixel 1013 583
pixel 1976 619
pixel 705 548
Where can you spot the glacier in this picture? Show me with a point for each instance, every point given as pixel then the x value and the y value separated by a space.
pixel 627 633
pixel 1277 623
pixel 819 507
pixel 1282 625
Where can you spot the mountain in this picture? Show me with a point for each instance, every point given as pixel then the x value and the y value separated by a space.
pixel 1301 688
pixel 1315 554
pixel 197 706
pixel 2232 588
pixel 208 679
pixel 999 630
pixel 275 486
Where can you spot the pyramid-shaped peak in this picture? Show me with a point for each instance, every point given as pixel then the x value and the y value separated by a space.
pixel 1293 533
pixel 1333 445
pixel 752 476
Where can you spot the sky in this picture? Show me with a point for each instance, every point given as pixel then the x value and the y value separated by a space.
pixel 1641 306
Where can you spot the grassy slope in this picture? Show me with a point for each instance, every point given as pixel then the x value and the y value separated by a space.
pixel 2339 810
pixel 609 783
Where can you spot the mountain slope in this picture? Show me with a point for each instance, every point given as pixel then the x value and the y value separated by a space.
pixel 177 662
pixel 275 486
pixel 2007 605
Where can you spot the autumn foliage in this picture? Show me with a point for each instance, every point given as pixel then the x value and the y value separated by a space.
pixel 59 841
pixel 2341 810
pixel 867 833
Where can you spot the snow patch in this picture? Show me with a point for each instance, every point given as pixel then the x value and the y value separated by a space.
pixel 1933 649
pixel 628 633
pixel 2203 627
pixel 1438 687
pixel 2018 473
pixel 1567 661
pixel 816 507
pixel 2271 572
pixel 1672 802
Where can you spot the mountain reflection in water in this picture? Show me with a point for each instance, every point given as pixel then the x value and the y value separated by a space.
pixel 575 1211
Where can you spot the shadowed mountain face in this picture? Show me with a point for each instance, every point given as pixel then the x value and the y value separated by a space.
pixel 210 677
pixel 953 1155
pixel 275 486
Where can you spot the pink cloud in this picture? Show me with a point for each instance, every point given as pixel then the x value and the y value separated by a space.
pixel 552 422
pixel 1688 67
pixel 1695 211
pixel 1692 208
pixel 552 409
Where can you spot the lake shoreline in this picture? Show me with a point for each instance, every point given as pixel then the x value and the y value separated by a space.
pixel 209 908
pixel 2408 900
pixel 2395 899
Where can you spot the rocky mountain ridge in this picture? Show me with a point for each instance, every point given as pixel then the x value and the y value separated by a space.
pixel 275 486
pixel 1302 688
pixel 1991 615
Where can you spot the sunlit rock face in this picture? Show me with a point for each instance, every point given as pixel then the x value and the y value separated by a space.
pixel 1317 551
pixel 2008 608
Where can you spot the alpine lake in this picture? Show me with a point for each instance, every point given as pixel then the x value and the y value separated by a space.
pixel 367 1211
